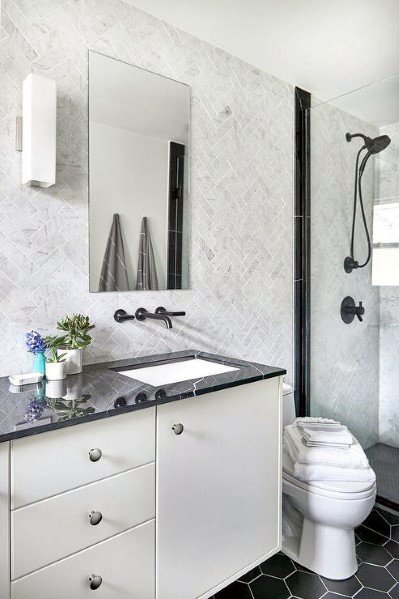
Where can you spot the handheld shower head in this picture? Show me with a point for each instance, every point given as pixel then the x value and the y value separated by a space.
pixel 378 144
pixel 372 147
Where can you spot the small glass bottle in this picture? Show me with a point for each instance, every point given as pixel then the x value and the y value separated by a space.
pixel 39 363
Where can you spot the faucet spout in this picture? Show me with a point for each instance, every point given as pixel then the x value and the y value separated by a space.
pixel 166 320
pixel 142 314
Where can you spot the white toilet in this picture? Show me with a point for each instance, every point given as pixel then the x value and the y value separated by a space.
pixel 319 518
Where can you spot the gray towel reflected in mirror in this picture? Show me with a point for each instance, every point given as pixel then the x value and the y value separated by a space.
pixel 113 275
pixel 146 270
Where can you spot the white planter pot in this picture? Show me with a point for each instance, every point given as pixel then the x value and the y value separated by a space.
pixel 73 360
pixel 74 387
pixel 55 389
pixel 55 371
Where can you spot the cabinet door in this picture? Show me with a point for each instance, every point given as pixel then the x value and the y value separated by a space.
pixel 219 487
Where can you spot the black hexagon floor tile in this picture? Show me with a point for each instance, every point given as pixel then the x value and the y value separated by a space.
pixel 347 588
pixel 237 590
pixel 373 554
pixel 333 596
pixel 251 575
pixel 393 568
pixel 306 585
pixel 267 587
pixel 279 565
pixel 371 594
pixel 388 516
pixel 394 593
pixel 393 549
pixel 378 523
pixel 395 533
pixel 370 536
pixel 375 577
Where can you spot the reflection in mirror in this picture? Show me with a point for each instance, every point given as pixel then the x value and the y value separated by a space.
pixel 139 146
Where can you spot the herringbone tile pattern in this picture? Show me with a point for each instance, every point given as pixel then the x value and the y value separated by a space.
pixel 240 300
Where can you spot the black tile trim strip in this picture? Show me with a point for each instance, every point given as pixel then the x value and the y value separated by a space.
pixel 302 251
pixel 392 505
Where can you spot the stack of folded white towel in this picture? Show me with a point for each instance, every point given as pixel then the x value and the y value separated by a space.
pixel 323 449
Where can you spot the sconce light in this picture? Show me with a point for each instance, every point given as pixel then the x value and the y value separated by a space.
pixel 38 143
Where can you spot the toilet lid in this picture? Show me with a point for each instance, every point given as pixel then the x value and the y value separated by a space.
pixel 344 487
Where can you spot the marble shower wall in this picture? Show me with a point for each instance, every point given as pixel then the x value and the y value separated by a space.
pixel 240 302
pixel 344 358
pixel 389 304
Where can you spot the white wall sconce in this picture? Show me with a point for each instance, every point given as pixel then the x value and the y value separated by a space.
pixel 38 143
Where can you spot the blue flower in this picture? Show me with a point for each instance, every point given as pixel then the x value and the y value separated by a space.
pixel 34 410
pixel 35 343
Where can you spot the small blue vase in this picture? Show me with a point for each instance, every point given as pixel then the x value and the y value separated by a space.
pixel 39 363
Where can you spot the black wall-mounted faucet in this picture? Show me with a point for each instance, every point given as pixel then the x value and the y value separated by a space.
pixel 160 314
pixel 142 314
pixel 349 310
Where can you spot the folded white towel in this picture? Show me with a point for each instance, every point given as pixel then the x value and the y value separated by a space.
pixel 310 421
pixel 321 431
pixel 322 437
pixel 318 422
pixel 308 473
pixel 327 456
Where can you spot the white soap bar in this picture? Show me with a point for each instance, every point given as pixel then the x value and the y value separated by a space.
pixel 25 379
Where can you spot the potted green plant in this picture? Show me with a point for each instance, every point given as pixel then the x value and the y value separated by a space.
pixel 55 361
pixel 75 338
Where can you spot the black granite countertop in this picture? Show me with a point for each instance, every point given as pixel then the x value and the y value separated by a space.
pixel 100 392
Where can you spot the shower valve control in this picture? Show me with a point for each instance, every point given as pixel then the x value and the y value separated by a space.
pixel 349 310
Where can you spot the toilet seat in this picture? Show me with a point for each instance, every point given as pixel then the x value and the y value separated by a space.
pixel 334 489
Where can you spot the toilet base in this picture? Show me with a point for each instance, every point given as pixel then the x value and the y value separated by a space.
pixel 326 550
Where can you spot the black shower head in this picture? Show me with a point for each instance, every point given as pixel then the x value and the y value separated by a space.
pixel 378 144
pixel 373 146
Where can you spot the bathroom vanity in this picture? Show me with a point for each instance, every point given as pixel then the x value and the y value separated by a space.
pixel 136 490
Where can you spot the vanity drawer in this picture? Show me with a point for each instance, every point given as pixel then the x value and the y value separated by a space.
pixel 51 463
pixel 126 565
pixel 62 523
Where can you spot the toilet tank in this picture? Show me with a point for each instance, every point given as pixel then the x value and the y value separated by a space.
pixel 289 414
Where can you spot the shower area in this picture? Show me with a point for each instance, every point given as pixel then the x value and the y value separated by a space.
pixel 352 283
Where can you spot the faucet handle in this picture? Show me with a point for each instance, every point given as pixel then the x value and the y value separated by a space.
pixel 360 311
pixel 161 310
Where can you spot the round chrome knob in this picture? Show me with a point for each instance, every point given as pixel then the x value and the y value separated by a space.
pixel 95 518
pixel 178 429
pixel 95 581
pixel 95 455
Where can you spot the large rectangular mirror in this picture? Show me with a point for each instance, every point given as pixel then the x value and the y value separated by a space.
pixel 139 130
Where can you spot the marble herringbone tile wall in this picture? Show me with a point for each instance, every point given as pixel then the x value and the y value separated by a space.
pixel 240 301
pixel 345 358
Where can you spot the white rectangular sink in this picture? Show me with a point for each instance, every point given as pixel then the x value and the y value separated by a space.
pixel 174 372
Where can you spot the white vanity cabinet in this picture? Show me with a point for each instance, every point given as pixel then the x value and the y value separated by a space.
pixel 218 488
pixel 135 507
